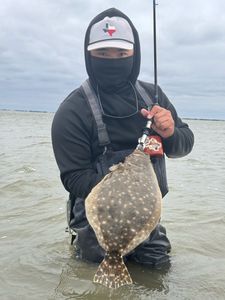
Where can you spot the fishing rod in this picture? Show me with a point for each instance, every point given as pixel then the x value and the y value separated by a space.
pixel 146 131
pixel 155 53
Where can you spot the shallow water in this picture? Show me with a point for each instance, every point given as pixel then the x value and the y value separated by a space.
pixel 36 259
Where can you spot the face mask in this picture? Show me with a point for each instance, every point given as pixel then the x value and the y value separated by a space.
pixel 111 74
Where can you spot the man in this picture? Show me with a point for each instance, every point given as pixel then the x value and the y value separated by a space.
pixel 86 143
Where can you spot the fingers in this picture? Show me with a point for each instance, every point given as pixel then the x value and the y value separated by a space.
pixel 163 121
pixel 160 114
pixel 156 109
pixel 146 113
pixel 149 113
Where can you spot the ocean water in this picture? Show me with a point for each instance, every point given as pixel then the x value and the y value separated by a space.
pixel 37 261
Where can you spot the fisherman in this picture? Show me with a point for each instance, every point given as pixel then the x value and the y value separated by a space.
pixel 99 124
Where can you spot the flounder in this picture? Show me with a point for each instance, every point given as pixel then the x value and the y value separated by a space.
pixel 123 209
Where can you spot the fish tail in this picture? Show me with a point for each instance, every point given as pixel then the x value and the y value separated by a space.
pixel 112 272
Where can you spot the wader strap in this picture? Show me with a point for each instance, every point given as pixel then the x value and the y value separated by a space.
pixel 146 98
pixel 93 101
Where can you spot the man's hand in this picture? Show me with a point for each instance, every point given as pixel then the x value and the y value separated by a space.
pixel 163 122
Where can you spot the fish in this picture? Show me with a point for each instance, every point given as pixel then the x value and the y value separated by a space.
pixel 123 209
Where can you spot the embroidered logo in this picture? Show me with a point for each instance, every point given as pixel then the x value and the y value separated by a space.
pixel 109 29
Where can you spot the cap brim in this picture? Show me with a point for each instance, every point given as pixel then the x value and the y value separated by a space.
pixel 111 44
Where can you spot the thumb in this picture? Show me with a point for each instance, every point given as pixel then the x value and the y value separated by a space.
pixel 146 113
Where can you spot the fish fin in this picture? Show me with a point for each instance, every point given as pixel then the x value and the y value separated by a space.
pixel 112 272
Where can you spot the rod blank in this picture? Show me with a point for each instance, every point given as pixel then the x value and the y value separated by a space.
pixel 155 53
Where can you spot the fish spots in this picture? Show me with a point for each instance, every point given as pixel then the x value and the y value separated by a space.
pixel 123 209
pixel 144 217
pixel 134 219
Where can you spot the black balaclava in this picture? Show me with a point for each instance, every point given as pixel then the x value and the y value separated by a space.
pixel 115 90
pixel 111 74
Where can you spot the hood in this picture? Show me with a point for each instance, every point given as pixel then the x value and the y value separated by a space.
pixel 111 12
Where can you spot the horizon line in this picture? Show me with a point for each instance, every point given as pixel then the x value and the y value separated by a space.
pixel 45 111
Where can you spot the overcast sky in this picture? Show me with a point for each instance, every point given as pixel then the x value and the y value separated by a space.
pixel 41 51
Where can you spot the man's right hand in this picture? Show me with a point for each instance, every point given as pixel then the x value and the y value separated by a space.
pixel 163 122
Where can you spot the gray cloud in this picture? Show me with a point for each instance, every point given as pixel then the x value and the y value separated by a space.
pixel 41 51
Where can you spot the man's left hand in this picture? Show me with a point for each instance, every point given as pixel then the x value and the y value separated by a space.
pixel 163 122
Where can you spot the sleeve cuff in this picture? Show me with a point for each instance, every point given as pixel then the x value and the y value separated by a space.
pixel 169 142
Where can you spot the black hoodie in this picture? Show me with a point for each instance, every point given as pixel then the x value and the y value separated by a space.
pixel 74 133
pixel 137 57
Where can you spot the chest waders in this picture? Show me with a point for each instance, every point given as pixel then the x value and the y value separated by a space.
pixel 156 247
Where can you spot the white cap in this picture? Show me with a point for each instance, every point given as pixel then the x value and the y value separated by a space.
pixel 112 32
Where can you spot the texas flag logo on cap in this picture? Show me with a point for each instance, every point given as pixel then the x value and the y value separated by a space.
pixel 109 29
